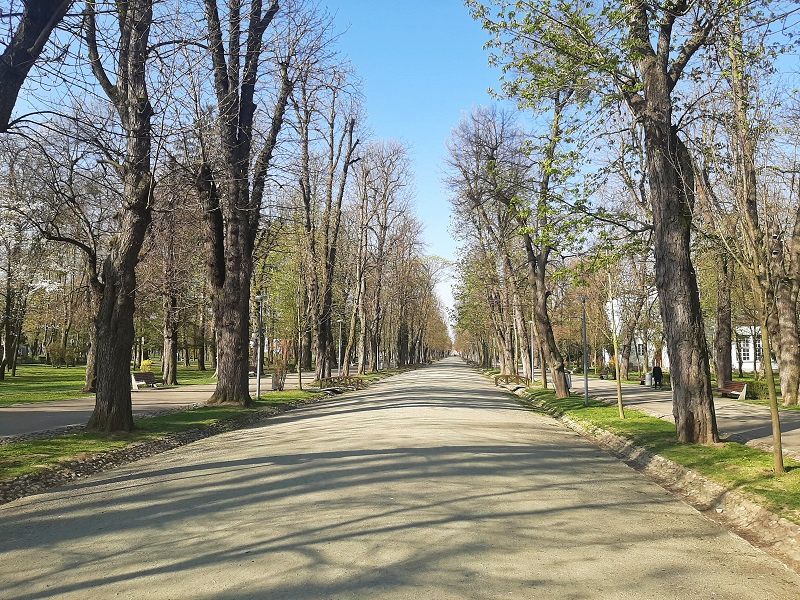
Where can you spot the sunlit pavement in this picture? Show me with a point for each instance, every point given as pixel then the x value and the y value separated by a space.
pixel 429 485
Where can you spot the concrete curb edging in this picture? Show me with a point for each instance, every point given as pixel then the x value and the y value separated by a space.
pixel 764 529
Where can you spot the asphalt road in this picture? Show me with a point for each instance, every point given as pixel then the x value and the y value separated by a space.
pixel 429 485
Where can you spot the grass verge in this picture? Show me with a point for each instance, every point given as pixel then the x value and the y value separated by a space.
pixel 731 464
pixel 27 457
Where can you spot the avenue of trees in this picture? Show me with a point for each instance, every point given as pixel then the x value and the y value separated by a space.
pixel 166 166
pixel 650 169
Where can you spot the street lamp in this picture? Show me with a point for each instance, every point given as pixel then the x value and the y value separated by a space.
pixel 532 373
pixel 339 321
pixel 259 354
pixel 585 355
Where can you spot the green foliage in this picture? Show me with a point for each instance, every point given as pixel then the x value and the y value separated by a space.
pixel 57 354
pixel 758 390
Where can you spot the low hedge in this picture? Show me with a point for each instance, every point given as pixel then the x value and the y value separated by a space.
pixel 758 390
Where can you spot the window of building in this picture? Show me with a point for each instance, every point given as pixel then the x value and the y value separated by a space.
pixel 759 349
pixel 744 347
pixel 640 349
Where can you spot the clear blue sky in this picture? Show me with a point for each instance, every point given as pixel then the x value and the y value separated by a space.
pixel 422 65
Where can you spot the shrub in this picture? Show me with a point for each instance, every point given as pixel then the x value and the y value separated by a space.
pixel 57 354
pixel 757 390
pixel 146 366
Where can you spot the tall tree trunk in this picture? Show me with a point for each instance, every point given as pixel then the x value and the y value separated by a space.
pixel 5 326
pixel 551 356
pixel 789 347
pixel 671 186
pixel 201 341
pixel 231 306
pixel 625 357
pixel 114 329
pixel 90 379
pixel 787 266
pixel 232 196
pixel 95 298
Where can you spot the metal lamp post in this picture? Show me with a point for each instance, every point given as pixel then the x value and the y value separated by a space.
pixel 532 359
pixel 585 355
pixel 339 321
pixel 259 354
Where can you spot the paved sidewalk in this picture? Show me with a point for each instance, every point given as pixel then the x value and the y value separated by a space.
pixel 431 485
pixel 19 419
pixel 742 421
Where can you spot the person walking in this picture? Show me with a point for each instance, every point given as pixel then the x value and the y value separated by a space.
pixel 658 376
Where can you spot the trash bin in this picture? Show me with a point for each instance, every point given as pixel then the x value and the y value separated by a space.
pixel 648 379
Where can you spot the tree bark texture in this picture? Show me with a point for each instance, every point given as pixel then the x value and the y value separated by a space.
pixel 671 186
pixel 114 329
pixel 232 195
pixel 37 22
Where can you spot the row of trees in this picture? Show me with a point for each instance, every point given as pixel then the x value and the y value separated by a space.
pixel 177 160
pixel 658 172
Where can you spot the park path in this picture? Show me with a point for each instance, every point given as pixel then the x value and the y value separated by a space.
pixel 742 421
pixel 432 484
pixel 20 419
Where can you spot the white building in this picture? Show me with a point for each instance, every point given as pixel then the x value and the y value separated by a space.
pixel 746 348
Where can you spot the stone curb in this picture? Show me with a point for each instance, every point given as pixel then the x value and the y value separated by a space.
pixel 765 530
pixel 70 470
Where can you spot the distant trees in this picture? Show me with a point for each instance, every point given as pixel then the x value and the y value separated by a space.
pixel 503 187
pixel 326 116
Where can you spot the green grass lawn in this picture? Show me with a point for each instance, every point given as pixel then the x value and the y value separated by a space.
pixel 731 464
pixel 20 458
pixel 42 383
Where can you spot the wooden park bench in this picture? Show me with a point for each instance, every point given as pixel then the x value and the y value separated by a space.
pixel 341 383
pixel 144 379
pixel 734 389
pixel 498 379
